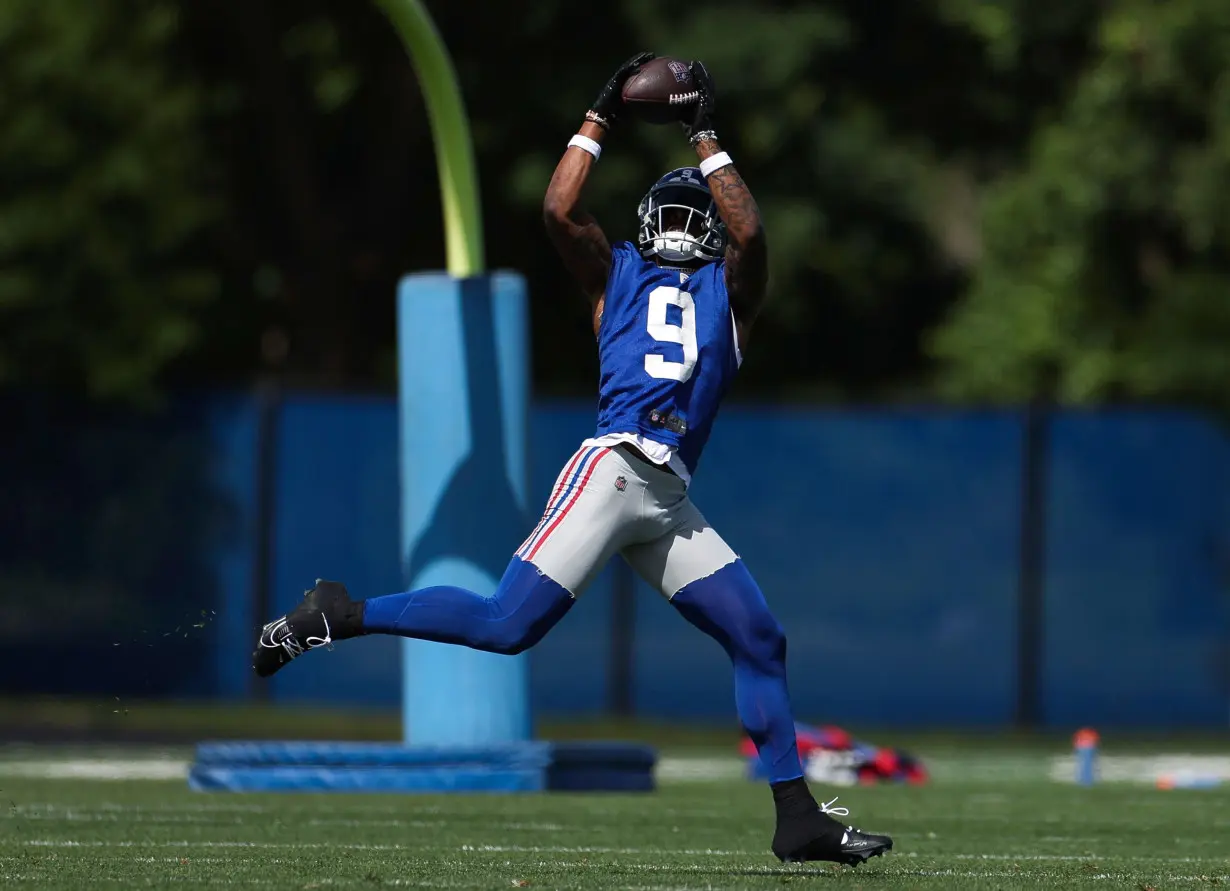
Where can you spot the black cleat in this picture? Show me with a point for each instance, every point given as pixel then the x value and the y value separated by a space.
pixel 814 835
pixel 326 614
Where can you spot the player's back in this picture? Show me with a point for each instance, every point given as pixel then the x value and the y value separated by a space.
pixel 667 352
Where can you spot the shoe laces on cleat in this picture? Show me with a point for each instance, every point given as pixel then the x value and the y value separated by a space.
pixel 827 808
pixel 278 634
pixel 327 640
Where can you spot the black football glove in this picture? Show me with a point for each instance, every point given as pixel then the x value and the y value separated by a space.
pixel 606 107
pixel 697 119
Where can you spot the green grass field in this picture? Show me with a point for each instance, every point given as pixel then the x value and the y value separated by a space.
pixel 990 819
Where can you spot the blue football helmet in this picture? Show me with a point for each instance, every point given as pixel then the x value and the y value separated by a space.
pixel 679 221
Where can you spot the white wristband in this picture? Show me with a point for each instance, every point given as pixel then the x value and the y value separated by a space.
pixel 714 162
pixel 586 144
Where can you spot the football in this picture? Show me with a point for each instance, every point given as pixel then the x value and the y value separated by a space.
pixel 655 93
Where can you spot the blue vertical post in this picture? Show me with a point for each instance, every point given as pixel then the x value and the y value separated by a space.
pixel 463 384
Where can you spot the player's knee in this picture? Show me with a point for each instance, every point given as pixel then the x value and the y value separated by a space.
pixel 730 607
pixel 511 635
pixel 766 641
pixel 526 606
pixel 759 635
pixel 508 644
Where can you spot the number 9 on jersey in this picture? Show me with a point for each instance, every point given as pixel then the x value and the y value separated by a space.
pixel 663 331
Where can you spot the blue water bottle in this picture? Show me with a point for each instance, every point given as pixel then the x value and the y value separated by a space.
pixel 1085 743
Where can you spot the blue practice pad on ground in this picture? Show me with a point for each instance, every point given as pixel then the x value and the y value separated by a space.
pixel 390 767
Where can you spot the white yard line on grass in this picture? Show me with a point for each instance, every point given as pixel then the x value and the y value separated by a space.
pixel 188 845
pixel 586 849
pixel 574 850
pixel 109 807
pixel 97 769
pixel 208 818
pixel 712 852
pixel 702 769
pixel 1147 768
pixel 204 805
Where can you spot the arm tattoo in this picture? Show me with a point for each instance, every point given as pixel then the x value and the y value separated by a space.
pixel 747 257
pixel 583 247
pixel 735 202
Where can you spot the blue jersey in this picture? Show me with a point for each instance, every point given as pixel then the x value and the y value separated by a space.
pixel 667 352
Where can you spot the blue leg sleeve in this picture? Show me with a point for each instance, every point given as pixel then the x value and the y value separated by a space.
pixel 730 608
pixel 525 606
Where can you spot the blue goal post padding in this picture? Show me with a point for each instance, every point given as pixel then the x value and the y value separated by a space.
pixel 299 766
pixel 463 394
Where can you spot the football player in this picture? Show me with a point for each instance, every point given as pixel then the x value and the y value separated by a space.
pixel 672 314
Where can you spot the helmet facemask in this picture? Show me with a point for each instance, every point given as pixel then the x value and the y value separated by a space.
pixel 679 221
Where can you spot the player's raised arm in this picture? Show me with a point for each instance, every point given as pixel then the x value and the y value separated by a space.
pixel 747 256
pixel 576 234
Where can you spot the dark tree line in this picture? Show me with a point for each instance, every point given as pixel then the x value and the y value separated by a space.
pixel 964 200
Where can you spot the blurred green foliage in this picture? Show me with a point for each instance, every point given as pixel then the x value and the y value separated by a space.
pixel 964 200
pixel 101 197
pixel 1106 261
